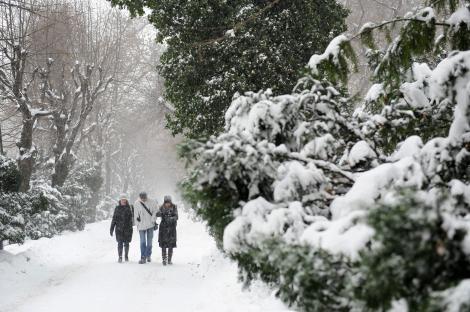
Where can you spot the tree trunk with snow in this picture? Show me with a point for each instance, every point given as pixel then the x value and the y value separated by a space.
pixel 16 89
pixel 70 119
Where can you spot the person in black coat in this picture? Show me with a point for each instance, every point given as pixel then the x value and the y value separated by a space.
pixel 168 213
pixel 122 225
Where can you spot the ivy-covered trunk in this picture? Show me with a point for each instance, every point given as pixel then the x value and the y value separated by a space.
pixel 61 160
pixel 1 140
pixel 26 154
pixel 61 171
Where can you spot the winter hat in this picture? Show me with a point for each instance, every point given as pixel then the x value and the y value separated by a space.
pixel 123 196
pixel 167 199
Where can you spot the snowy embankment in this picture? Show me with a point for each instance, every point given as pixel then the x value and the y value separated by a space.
pixel 78 272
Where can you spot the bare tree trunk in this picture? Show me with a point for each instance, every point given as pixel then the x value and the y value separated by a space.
pixel 125 186
pixel 108 173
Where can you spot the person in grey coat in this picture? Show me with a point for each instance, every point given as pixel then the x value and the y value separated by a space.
pixel 168 213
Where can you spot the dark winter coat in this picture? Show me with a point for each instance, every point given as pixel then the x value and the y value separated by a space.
pixel 167 229
pixel 122 223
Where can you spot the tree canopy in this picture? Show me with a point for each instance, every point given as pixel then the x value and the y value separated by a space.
pixel 216 49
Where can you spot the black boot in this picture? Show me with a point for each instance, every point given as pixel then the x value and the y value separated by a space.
pixel 142 261
pixel 170 255
pixel 126 252
pixel 120 252
pixel 164 256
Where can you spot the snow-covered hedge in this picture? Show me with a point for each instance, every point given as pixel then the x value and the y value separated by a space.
pixel 348 209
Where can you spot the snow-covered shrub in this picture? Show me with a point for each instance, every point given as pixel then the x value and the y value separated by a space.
pixel 43 211
pixel 12 217
pixel 81 190
pixel 372 204
pixel 9 175
pixel 303 276
pixel 105 208
pixel 12 210
pixel 280 148
pixel 54 213
pixel 419 247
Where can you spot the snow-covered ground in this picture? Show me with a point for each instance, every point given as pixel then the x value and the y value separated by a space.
pixel 79 272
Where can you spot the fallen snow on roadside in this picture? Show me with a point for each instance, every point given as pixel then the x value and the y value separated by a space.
pixel 79 272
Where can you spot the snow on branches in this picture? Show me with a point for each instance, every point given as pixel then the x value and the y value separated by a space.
pixel 326 181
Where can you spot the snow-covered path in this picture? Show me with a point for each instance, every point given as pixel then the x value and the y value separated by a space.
pixel 79 272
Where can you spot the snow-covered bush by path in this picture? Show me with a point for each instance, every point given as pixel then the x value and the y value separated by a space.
pixel 43 211
pixel 352 209
pixel 12 211
pixel 280 148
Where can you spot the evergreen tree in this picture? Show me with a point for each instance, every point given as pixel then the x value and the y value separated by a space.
pixel 216 49
pixel 12 214
pixel 373 205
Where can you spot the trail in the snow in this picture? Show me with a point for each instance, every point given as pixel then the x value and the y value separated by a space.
pixel 79 272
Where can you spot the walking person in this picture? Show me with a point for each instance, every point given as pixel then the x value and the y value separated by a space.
pixel 167 232
pixel 121 224
pixel 145 216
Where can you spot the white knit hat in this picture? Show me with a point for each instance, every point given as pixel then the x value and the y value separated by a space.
pixel 122 196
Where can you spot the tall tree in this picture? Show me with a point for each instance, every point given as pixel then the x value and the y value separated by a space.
pixel 218 48
pixel 17 78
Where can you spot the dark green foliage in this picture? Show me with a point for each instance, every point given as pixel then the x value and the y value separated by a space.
pixel 414 40
pixel 412 256
pixel 9 175
pixel 367 37
pixel 214 205
pixel 12 216
pixel 13 205
pixel 219 48
pixel 307 279
pixel 337 67
pixel 427 122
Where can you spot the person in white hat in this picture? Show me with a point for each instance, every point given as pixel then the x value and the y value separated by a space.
pixel 122 225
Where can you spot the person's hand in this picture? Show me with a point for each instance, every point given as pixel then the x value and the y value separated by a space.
pixel 138 219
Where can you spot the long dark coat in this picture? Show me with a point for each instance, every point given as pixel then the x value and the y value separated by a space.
pixel 122 222
pixel 167 229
